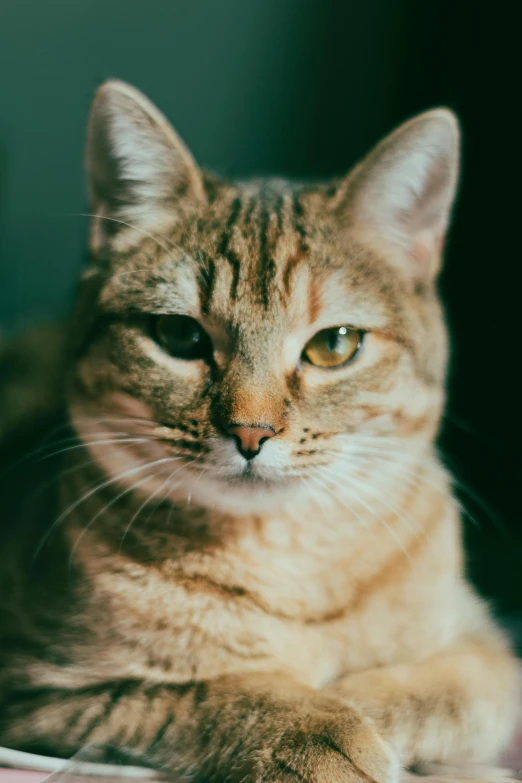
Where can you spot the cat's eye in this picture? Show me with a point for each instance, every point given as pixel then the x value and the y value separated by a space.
pixel 333 347
pixel 182 337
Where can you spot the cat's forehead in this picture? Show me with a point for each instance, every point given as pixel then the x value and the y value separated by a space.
pixel 259 212
pixel 271 244
pixel 266 248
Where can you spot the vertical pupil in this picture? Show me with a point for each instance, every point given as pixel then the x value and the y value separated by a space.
pixel 333 340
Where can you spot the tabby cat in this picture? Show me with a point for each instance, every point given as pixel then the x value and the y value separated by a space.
pixel 245 563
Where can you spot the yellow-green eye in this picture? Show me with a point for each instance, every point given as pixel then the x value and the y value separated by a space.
pixel 333 347
pixel 182 337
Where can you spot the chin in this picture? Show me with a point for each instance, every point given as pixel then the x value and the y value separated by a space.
pixel 240 493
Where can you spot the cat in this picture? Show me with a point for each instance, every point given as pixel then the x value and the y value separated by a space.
pixel 245 560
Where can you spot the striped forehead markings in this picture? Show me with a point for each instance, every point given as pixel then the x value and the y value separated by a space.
pixel 269 227
pixel 267 265
pixel 226 251
pixel 298 222
pixel 272 228
pixel 207 280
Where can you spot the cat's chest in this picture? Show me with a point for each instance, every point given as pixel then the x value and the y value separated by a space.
pixel 204 621
pixel 212 617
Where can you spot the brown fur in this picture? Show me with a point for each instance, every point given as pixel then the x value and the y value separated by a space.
pixel 306 617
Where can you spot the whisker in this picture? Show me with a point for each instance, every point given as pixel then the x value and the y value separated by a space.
pixel 91 492
pixel 381 498
pixel 155 239
pixel 359 499
pixel 498 520
pixel 406 469
pixel 329 491
pixel 45 445
pixel 414 482
pixel 411 477
pixel 106 441
pixel 170 488
pixel 67 472
pixel 468 428
pixel 189 496
pixel 146 502
pixel 25 458
pixel 75 438
pixel 105 508
pixel 118 418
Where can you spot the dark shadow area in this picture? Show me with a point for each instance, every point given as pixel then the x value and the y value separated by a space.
pixel 463 55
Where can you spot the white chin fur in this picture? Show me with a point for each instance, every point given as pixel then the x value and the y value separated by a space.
pixel 229 497
pixel 222 484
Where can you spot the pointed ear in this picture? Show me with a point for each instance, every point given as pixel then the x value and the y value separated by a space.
pixel 139 171
pixel 402 193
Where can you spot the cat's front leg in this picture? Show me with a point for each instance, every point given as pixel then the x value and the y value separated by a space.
pixel 459 705
pixel 261 728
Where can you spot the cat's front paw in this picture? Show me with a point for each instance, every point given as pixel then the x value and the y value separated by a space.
pixel 328 746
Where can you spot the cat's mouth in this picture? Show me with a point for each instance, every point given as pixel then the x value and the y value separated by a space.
pixel 252 475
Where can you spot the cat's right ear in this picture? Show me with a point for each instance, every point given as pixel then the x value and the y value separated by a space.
pixel 400 196
pixel 139 171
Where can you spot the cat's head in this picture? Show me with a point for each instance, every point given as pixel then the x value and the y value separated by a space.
pixel 236 340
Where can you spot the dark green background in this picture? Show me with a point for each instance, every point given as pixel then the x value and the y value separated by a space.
pixel 302 87
pixel 244 82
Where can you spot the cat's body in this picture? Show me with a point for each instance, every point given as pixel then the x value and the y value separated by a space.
pixel 251 551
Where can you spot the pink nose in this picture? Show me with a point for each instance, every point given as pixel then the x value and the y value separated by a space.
pixel 250 439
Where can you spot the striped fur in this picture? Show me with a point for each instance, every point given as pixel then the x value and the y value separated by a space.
pixel 305 616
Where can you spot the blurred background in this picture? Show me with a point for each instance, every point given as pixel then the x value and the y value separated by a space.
pixel 302 87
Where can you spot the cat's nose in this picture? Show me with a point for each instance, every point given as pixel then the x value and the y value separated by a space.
pixel 250 439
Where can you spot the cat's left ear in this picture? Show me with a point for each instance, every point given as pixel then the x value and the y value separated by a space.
pixel 402 193
pixel 139 171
